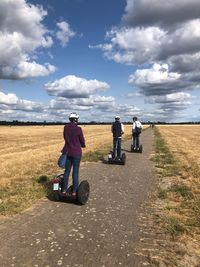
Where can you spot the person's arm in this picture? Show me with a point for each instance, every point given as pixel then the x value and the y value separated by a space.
pixel 122 127
pixel 133 128
pixel 64 133
pixel 81 138
pixel 63 151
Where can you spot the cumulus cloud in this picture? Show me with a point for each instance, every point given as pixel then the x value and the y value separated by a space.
pixel 21 34
pixel 10 103
pixel 157 80
pixel 92 102
pixel 64 33
pixel 162 13
pixel 155 32
pixel 172 102
pixel 8 99
pixel 72 86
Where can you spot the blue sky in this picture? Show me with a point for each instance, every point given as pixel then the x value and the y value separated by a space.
pixel 100 59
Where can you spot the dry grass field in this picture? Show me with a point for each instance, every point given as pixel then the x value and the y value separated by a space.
pixel 28 152
pixel 178 204
pixel 184 141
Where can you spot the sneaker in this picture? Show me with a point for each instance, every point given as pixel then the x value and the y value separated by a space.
pixel 64 191
pixel 138 148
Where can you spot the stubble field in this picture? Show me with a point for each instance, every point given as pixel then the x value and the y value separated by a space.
pixel 183 141
pixel 177 207
pixel 28 152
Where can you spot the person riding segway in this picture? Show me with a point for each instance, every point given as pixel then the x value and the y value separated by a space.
pixel 136 131
pixel 117 130
pixel 74 141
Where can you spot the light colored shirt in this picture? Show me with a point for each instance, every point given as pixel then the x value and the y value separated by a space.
pixel 137 124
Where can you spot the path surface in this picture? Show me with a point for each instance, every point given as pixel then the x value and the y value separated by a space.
pixel 102 233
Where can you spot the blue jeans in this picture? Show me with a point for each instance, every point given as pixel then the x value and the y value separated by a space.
pixel 136 141
pixel 75 162
pixel 117 145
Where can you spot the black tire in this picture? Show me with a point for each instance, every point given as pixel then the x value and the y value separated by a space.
pixel 123 158
pixel 83 192
pixel 56 196
pixel 140 149
pixel 131 148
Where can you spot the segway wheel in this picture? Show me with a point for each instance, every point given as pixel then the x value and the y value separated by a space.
pixel 83 192
pixel 131 148
pixel 56 196
pixel 140 149
pixel 123 159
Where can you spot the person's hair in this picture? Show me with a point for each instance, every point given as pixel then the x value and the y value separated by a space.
pixel 135 118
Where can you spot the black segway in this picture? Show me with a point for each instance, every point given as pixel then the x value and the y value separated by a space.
pixel 116 160
pixel 136 150
pixel 82 192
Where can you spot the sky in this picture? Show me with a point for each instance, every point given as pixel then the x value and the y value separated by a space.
pixel 100 59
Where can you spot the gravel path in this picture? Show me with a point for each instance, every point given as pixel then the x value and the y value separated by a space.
pixel 104 232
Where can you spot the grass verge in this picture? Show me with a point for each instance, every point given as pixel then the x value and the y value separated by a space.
pixel 176 205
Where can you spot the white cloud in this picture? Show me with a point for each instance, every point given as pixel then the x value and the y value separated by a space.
pixel 8 99
pixel 21 34
pixel 162 13
pixel 179 98
pixel 32 69
pixel 158 74
pixel 65 33
pixel 92 102
pixel 10 103
pixel 75 87
pixel 133 45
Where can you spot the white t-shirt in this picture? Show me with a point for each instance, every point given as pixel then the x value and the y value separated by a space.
pixel 137 124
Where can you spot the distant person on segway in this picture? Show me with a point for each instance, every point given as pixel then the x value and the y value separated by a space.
pixel 74 140
pixel 136 131
pixel 117 131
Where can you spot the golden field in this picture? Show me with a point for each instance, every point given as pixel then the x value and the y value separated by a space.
pixel 178 206
pixel 30 151
pixel 183 141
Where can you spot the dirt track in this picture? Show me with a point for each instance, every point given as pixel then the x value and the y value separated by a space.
pixel 104 232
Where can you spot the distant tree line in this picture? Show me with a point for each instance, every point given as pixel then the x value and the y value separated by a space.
pixel 46 123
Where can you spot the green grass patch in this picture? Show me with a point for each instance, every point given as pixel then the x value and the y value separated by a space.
pixel 182 190
pixel 163 158
pixel 174 226
pixel 162 193
pixel 20 196
pixel 94 156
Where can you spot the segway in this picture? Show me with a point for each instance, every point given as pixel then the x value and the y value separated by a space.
pixel 82 192
pixel 136 150
pixel 116 160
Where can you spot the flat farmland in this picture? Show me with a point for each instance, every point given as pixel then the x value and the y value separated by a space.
pixel 183 141
pixel 29 151
pixel 178 202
